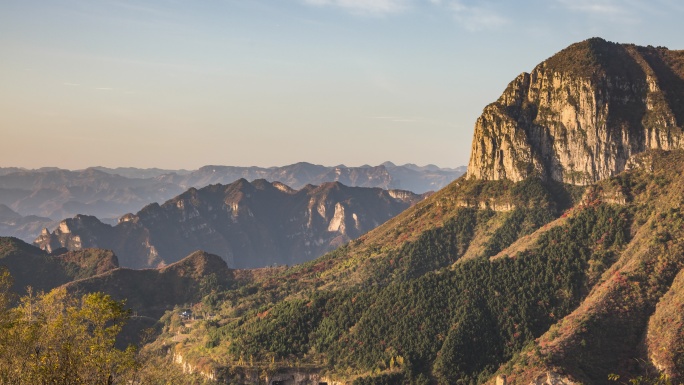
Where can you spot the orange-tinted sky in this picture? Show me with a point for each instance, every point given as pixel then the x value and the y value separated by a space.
pixel 181 84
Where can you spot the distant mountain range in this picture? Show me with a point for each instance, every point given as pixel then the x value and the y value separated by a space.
pixel 248 224
pixel 387 176
pixel 13 224
pixel 109 193
pixel 57 193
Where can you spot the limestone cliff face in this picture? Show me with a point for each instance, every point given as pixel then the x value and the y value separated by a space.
pixel 580 115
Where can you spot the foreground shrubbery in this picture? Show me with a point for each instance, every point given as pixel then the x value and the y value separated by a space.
pixel 56 338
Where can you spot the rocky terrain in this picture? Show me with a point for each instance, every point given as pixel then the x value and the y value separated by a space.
pixel 248 224
pixel 13 224
pixel 580 115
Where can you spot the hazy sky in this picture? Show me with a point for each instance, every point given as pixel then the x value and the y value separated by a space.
pixel 181 84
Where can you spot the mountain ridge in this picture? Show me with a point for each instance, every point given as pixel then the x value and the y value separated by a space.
pixel 248 224
pixel 31 266
pixel 109 193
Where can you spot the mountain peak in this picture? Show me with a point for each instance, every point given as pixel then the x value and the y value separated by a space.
pixel 581 114
pixel 8 213
pixel 197 264
pixel 594 58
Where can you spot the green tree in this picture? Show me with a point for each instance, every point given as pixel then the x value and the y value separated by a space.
pixel 56 338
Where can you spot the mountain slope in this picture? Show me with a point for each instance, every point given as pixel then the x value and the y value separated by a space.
pixel 379 286
pixel 574 305
pixel 248 224
pixel 499 274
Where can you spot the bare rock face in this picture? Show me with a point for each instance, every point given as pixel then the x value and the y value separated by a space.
pixel 580 115
pixel 68 234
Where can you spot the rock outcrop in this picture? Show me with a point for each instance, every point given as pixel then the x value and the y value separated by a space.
pixel 551 378
pixel 580 115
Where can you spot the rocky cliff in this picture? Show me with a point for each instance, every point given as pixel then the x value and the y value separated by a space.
pixel 580 115
pixel 248 224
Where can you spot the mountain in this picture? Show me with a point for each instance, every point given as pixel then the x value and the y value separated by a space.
pixel 494 279
pixel 31 266
pixel 386 176
pixel 109 193
pixel 9 170
pixel 248 224
pixel 13 224
pixel 580 115
pixel 57 193
pixel 148 293
pixel 508 281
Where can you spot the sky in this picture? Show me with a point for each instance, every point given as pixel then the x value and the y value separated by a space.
pixel 182 84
